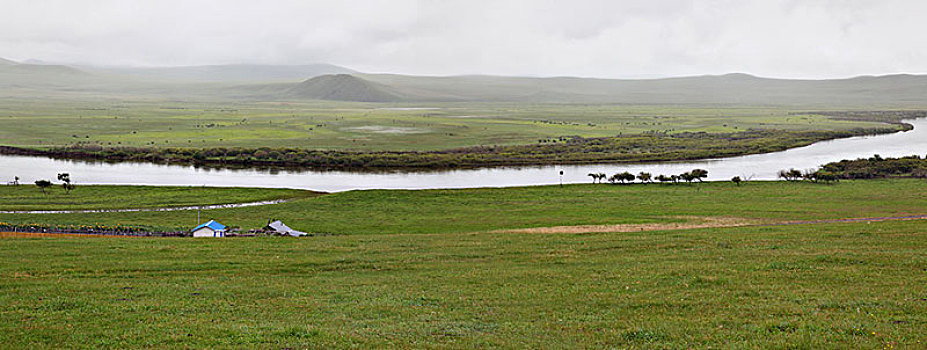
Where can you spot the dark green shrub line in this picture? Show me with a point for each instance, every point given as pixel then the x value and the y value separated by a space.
pixel 97 229
pixel 650 147
pixel 862 168
pixel 878 167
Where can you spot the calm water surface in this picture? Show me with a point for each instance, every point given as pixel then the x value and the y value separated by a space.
pixel 757 167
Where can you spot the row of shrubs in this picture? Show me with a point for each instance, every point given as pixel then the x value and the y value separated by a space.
pixel 645 177
pixel 862 168
pixel 878 167
pixel 808 175
pixel 90 229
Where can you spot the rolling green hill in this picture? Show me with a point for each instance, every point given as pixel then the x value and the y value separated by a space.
pixel 342 87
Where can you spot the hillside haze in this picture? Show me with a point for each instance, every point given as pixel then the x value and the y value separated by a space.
pixel 231 72
pixel 722 89
pixel 330 82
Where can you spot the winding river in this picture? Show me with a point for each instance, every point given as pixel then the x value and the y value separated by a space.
pixel 756 167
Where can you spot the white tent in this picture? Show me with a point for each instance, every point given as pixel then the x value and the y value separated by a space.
pixel 280 228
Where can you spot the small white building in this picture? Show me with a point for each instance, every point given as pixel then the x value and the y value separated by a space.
pixel 210 228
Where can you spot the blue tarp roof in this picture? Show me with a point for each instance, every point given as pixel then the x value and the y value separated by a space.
pixel 215 226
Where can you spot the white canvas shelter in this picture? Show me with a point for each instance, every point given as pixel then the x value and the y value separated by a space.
pixel 280 228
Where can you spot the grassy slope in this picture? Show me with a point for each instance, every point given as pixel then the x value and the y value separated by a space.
pixel 28 197
pixel 812 286
pixel 469 210
pixel 355 126
pixel 896 90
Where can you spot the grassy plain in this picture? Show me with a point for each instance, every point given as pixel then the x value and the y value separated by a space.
pixel 28 197
pixel 854 285
pixel 484 209
pixel 415 269
pixel 366 127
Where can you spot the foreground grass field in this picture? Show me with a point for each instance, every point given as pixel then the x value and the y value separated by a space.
pixel 473 210
pixel 431 269
pixel 853 285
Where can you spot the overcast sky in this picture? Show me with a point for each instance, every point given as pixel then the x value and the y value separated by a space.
pixel 617 38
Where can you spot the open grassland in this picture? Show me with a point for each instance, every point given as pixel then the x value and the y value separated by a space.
pixel 852 285
pixel 28 197
pixel 487 209
pixel 369 127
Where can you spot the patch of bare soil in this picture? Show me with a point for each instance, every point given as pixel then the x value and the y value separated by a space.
pixel 690 223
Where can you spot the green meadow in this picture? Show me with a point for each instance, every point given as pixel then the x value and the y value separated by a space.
pixel 848 285
pixel 483 209
pixel 443 269
pixel 28 197
pixel 369 127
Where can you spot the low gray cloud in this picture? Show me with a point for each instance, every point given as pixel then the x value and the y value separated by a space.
pixel 809 39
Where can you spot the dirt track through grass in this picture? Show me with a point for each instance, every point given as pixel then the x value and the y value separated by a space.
pixel 695 222
pixel 130 210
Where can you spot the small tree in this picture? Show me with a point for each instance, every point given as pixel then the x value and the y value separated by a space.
pixel 810 175
pixel 613 179
pixel 825 176
pixel 791 174
pixel 15 180
pixel 43 184
pixel 625 176
pixel 687 176
pixel 736 180
pixel 66 184
pixel 597 177
pixel 699 174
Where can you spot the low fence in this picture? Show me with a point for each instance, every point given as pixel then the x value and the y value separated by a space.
pixel 88 230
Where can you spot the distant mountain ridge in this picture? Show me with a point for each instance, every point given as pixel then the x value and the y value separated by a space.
pixel 330 82
pixel 736 88
pixel 44 76
pixel 230 72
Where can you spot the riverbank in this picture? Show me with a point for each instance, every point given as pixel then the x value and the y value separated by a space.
pixel 644 148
